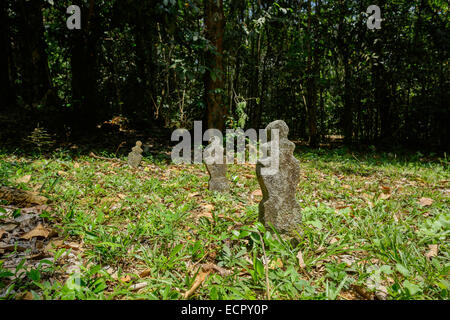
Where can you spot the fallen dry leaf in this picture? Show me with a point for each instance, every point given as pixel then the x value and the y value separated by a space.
pixel 257 193
pixel 55 244
pixel 208 215
pixel 73 246
pixel 385 196
pixel 9 226
pixel 381 293
pixel 12 247
pixel 300 260
pixel 386 189
pixel 76 165
pixel 37 187
pixel 145 273
pixel 275 264
pixel 24 179
pixel 208 207
pixel 213 267
pixel 22 197
pixel 2 232
pixel 39 231
pixel 425 202
pixel 362 292
pixel 127 278
pixel 432 252
pixel 138 286
pixel 195 194
pixel 348 260
pixel 199 279
pixel 333 240
pixel 28 296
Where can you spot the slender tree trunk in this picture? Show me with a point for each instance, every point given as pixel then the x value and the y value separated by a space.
pixel 348 106
pixel 214 77
pixel 264 80
pixel 33 60
pixel 383 102
pixel 84 70
pixel 382 94
pixel 6 81
pixel 236 83
pixel 256 80
pixel 347 117
pixel 144 32
pixel 311 94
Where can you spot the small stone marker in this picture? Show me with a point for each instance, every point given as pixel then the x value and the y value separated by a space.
pixel 216 166
pixel 135 156
pixel 279 206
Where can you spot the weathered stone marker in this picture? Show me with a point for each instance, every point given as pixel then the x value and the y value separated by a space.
pixel 216 166
pixel 279 206
pixel 135 156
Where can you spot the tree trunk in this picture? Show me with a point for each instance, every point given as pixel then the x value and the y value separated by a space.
pixel 311 95
pixel 348 107
pixel 6 81
pixel 84 70
pixel 382 94
pixel 347 117
pixel 33 60
pixel 382 102
pixel 214 82
pixel 144 32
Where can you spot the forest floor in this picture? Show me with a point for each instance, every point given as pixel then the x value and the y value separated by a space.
pixel 376 226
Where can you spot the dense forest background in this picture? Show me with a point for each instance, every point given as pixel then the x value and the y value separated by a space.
pixel 236 63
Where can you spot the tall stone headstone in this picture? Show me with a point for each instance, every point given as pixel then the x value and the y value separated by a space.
pixel 215 164
pixel 279 206
pixel 135 156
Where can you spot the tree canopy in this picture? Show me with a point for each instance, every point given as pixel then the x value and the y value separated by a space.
pixel 233 63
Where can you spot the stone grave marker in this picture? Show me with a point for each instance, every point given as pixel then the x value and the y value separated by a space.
pixel 279 206
pixel 135 156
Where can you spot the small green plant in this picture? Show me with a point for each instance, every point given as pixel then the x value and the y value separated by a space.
pixel 40 138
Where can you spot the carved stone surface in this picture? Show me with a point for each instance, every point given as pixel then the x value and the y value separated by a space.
pixel 135 156
pixel 279 206
pixel 215 164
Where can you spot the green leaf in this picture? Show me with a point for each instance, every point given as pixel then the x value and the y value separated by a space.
pixel 260 227
pixel 16 213
pixel 315 223
pixel 443 284
pixel 34 275
pixel 386 269
pixel 412 288
pixel 5 274
pixel 259 268
pixel 402 269
pixel 214 295
pixel 227 250
pixel 175 250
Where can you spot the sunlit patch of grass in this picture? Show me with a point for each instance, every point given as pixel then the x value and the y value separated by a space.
pixel 363 227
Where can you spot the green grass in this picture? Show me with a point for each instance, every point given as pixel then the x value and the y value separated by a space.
pixel 363 228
